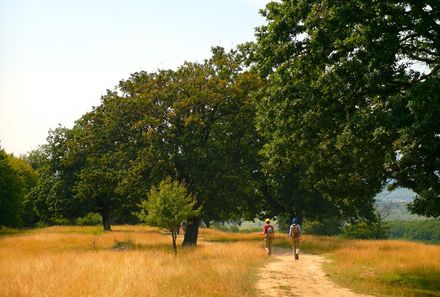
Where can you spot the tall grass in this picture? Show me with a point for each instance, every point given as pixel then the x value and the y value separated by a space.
pixel 381 268
pixel 79 261
pixel 387 268
pixel 139 261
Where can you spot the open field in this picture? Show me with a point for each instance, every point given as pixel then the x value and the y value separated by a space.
pixel 129 261
pixel 139 261
pixel 387 268
pixel 377 267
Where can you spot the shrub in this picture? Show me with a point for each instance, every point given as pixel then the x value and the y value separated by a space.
pixel 331 226
pixel 90 219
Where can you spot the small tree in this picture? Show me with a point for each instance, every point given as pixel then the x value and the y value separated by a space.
pixel 167 206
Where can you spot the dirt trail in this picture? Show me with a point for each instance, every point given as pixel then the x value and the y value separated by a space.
pixel 285 277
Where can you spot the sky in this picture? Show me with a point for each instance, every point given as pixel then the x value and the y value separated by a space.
pixel 58 57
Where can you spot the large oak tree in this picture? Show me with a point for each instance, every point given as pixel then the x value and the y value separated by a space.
pixel 352 94
pixel 195 124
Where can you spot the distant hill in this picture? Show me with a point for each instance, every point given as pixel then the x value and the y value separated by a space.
pixel 398 195
pixel 398 199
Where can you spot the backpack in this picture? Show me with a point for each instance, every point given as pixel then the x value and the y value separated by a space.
pixel 294 230
pixel 270 232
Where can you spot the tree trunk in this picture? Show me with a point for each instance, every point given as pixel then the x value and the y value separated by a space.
pixel 300 217
pixel 174 235
pixel 105 214
pixel 191 233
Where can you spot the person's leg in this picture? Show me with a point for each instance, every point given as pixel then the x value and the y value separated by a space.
pixel 293 246
pixel 296 248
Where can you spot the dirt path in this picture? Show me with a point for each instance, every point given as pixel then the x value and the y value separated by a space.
pixel 285 277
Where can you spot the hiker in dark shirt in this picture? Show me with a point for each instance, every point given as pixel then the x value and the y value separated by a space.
pixel 295 234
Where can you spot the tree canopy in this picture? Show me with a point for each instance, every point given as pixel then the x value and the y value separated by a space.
pixel 334 100
pixel 346 103
pixel 195 124
pixel 11 194
pixel 17 179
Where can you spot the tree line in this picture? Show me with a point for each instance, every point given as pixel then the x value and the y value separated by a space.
pixel 331 102
pixel 427 231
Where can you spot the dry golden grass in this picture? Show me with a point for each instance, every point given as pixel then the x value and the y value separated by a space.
pixel 139 261
pixel 387 268
pixel 81 261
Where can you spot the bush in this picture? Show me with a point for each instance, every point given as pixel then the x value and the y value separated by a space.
pixel 127 244
pixel 60 221
pixel 283 222
pixel 365 230
pixel 90 219
pixel 331 226
pixel 225 228
pixel 358 230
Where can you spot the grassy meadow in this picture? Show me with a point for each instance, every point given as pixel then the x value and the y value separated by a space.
pixel 139 261
pixel 387 268
pixel 379 267
pixel 129 261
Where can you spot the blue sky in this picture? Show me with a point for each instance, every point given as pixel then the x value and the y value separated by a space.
pixel 58 57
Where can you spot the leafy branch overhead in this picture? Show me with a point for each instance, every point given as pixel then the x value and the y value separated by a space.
pixel 353 87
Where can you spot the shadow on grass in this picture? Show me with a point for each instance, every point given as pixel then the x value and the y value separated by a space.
pixel 420 282
pixel 11 231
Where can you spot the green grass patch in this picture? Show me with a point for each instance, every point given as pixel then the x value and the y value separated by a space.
pixel 5 231
pixel 122 245
pixel 420 282
pixel 86 230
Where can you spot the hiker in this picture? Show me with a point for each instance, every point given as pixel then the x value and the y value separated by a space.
pixel 269 233
pixel 295 234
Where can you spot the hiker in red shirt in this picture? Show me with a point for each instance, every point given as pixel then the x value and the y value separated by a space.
pixel 269 233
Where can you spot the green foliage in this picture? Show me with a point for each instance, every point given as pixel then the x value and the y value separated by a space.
pixel 283 222
pixel 427 230
pixel 364 230
pixel 358 230
pixel 28 178
pixel 53 196
pixel 418 166
pixel 168 205
pixel 5 231
pixel 127 244
pixel 327 227
pixel 11 193
pixel 344 109
pixel 226 228
pixel 198 127
pixel 90 219
pixel 195 124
